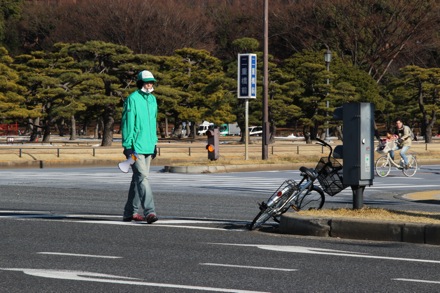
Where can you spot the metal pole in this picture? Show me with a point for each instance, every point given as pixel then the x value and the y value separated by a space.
pixel 246 132
pixel 264 143
pixel 358 196
pixel 328 82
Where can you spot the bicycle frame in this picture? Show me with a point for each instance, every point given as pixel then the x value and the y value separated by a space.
pixel 298 195
pixel 390 160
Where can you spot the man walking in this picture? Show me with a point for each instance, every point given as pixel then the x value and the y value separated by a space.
pixel 139 139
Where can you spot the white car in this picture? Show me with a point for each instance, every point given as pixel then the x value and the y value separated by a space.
pixel 255 130
pixel 204 127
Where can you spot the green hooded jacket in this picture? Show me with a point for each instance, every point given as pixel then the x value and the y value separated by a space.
pixel 138 123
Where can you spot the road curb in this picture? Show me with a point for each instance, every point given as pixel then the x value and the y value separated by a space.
pixel 291 223
pixel 68 163
pixel 233 168
pixel 57 163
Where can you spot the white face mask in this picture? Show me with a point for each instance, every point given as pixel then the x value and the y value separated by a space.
pixel 150 90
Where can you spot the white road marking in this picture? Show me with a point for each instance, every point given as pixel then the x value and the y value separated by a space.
pixel 405 186
pixel 416 280
pixel 323 251
pixel 75 218
pixel 157 224
pixel 46 214
pixel 105 278
pixel 248 267
pixel 80 255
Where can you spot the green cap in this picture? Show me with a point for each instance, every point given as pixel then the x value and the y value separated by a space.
pixel 146 76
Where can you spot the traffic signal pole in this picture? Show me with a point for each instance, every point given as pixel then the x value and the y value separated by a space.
pixel 246 133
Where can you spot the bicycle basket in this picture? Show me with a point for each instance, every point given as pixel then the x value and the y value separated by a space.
pixel 384 146
pixel 330 175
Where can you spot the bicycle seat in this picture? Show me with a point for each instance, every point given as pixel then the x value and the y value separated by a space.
pixel 309 172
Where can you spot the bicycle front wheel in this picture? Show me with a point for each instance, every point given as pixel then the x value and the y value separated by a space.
pixel 312 200
pixel 412 166
pixel 383 167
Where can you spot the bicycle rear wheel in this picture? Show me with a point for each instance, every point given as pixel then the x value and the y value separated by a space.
pixel 270 211
pixel 412 166
pixel 383 167
pixel 312 200
pixel 261 218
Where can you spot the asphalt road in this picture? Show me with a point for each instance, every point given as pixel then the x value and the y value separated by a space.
pixel 62 232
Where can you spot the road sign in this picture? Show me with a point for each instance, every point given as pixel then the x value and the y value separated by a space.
pixel 247 76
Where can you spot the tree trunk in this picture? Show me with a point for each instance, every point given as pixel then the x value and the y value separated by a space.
pixel 338 130
pixel 162 129
pixel 34 128
pixel 273 130
pixel 109 123
pixel 307 136
pixel 188 129
pixel 97 127
pixel 194 130
pixel 46 131
pixel 426 123
pixel 72 127
pixel 429 125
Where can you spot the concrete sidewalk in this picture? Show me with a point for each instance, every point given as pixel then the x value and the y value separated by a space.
pixel 363 229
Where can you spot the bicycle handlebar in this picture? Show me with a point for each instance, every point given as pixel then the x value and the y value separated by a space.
pixel 323 143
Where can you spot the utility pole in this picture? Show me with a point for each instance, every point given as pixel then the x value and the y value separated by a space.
pixel 265 137
pixel 327 59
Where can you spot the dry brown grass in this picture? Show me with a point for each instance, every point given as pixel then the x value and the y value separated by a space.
pixel 377 215
pixel 280 152
pixel 194 153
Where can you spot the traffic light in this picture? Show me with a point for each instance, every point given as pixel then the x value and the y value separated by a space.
pixel 213 144
pixel 358 148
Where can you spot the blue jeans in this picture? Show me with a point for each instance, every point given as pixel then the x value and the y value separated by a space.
pixel 140 191
pixel 403 151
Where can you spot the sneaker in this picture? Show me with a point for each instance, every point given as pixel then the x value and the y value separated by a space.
pixel 137 218
pixel 151 218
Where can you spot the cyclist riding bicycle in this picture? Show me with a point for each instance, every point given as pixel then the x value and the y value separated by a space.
pixel 403 141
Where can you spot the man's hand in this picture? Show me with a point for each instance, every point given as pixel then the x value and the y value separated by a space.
pixel 128 153
pixel 155 153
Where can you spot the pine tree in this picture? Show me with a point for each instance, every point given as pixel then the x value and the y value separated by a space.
pixel 12 94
